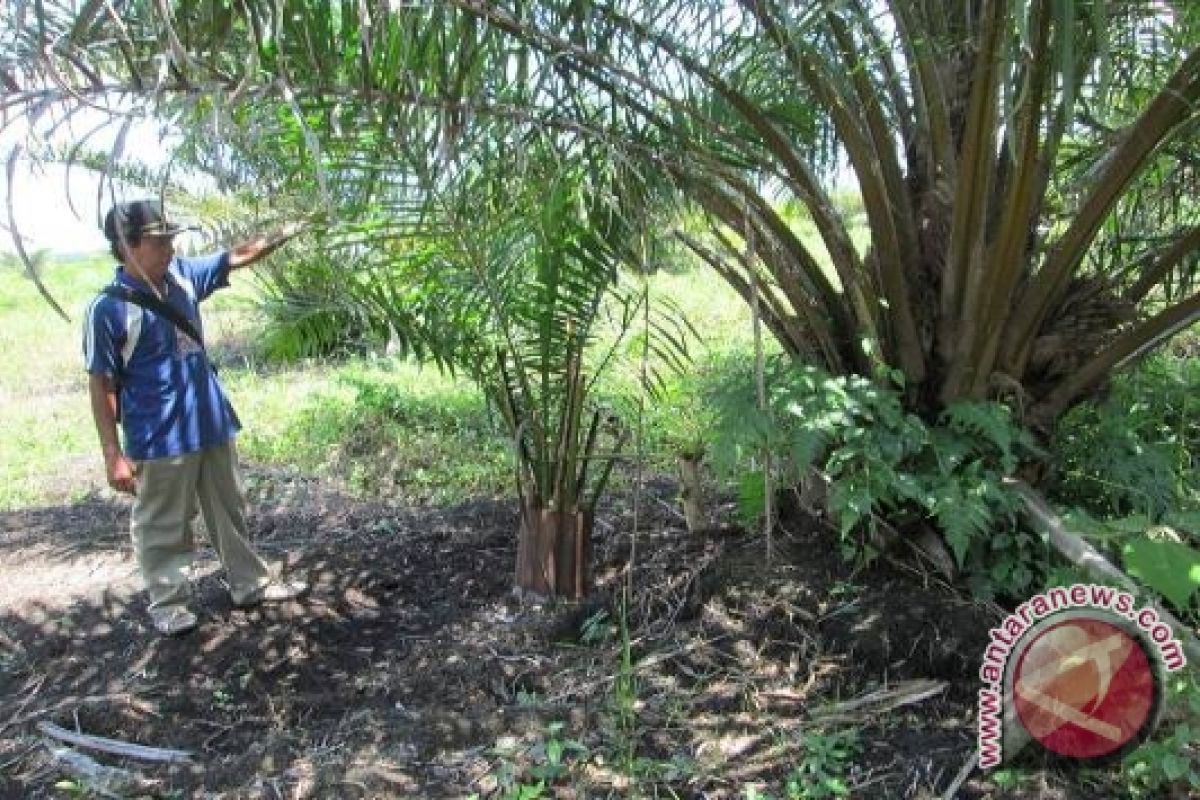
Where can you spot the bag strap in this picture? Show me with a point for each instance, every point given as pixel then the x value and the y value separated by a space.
pixel 147 300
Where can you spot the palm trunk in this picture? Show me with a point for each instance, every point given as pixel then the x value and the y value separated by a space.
pixel 554 551
pixel 690 495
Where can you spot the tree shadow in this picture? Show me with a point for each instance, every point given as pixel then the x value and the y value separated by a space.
pixel 306 693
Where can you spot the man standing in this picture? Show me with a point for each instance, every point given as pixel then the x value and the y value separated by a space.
pixel 149 370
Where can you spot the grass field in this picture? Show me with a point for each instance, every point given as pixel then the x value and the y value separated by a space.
pixel 381 426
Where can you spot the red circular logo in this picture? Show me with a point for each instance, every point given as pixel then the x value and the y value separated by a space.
pixel 1084 688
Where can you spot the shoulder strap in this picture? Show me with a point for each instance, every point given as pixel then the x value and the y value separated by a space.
pixel 147 300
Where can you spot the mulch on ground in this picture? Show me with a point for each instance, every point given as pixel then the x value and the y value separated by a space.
pixel 413 670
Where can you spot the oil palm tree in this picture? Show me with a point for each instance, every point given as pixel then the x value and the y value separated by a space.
pixel 509 283
pixel 1000 146
pixel 1026 167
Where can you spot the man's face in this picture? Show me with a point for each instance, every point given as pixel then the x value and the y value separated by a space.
pixel 152 255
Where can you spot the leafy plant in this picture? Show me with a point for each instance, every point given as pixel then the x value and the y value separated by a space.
pixel 822 770
pixel 596 629
pixel 511 285
pixel 1134 452
pixel 882 461
pixel 1167 566
pixel 1170 760
pixel 551 758
pixel 553 753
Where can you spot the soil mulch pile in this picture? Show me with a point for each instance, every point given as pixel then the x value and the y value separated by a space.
pixel 412 669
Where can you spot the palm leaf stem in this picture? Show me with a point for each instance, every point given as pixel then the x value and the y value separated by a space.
pixel 1176 102
pixel 976 160
pixel 1161 263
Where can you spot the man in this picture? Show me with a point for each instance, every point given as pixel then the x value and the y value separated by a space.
pixel 179 428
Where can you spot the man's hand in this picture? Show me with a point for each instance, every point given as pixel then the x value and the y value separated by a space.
pixel 122 474
pixel 119 470
pixel 291 229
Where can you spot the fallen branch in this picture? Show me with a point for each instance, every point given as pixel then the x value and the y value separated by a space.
pixel 1073 547
pixel 881 701
pixel 114 746
pixel 961 778
pixel 103 780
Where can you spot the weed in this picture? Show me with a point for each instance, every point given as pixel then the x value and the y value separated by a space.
pixel 624 700
pixel 843 588
pixel 222 699
pixel 596 629
pixel 881 461
pixel 552 755
pixel 1173 759
pixel 754 793
pixel 1008 778
pixel 822 770
pixel 1135 451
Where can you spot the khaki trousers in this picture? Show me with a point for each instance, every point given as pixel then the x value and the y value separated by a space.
pixel 168 490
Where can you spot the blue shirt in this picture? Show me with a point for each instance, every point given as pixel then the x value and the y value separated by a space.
pixel 171 400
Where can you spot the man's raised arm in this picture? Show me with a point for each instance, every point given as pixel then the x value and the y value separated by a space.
pixel 246 253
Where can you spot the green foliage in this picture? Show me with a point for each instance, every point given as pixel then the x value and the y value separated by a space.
pixel 308 315
pixel 885 462
pixel 1172 759
pixel 624 701
pixel 821 773
pixel 596 629
pixel 1127 464
pixel 511 283
pixel 553 754
pixel 1168 567
pixel 361 112
pixel 549 763
pixel 751 495
pixel 1135 452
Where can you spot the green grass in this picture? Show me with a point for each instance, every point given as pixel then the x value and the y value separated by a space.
pixel 380 426
pixel 47 430
pixel 385 428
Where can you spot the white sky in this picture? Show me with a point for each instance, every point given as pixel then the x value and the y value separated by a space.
pixel 56 209
pixel 44 215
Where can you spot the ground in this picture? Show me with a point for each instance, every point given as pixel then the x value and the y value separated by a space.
pixel 413 670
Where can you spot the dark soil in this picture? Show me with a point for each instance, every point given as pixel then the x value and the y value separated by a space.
pixel 412 669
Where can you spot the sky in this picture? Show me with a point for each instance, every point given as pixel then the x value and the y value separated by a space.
pixel 56 209
pixel 45 217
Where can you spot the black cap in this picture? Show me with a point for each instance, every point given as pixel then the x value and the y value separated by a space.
pixel 138 218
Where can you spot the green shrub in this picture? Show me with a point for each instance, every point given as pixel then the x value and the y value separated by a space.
pixel 1126 465
pixel 1135 451
pixel 1172 758
pixel 885 465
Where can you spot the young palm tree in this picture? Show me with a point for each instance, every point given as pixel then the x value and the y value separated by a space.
pixel 506 282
